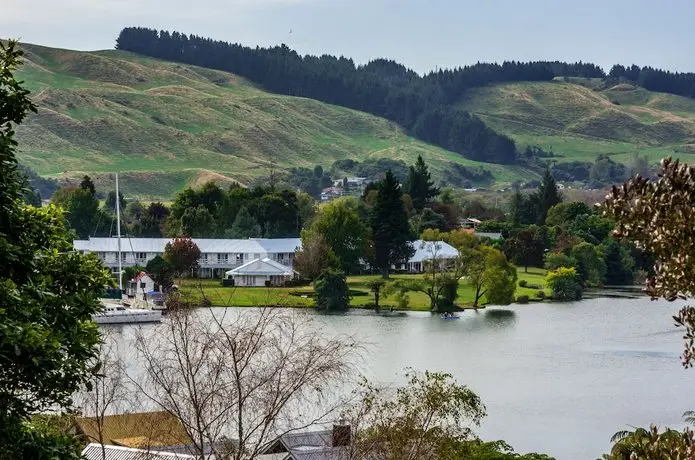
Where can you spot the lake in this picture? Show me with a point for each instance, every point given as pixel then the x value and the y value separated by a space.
pixel 556 378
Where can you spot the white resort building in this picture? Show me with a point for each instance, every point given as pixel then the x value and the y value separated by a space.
pixel 249 262
pixel 217 256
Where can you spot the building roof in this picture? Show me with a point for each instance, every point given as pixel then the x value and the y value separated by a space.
pixel 309 445
pixel 206 245
pixel 94 451
pixel 143 429
pixel 142 275
pixel 491 235
pixel 426 250
pixel 261 267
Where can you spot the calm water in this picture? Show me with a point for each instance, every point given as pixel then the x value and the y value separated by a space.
pixel 556 378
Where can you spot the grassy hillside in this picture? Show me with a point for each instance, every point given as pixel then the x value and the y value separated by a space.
pixel 165 125
pixel 579 118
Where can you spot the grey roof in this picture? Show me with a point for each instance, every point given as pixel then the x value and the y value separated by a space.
pixel 206 245
pixel 93 451
pixel 491 235
pixel 425 250
pixel 264 266
pixel 312 445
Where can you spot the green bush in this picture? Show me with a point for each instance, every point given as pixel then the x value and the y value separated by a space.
pixel 564 284
pixel 332 291
pixel 523 283
pixel 522 299
pixel 541 295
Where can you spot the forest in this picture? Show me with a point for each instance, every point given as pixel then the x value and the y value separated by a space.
pixel 425 106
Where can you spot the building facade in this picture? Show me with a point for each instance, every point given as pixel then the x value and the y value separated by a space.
pixel 217 255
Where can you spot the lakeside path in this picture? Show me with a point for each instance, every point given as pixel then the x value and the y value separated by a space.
pixel 195 290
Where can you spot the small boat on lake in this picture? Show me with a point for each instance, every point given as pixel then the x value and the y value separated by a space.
pixel 449 316
pixel 114 313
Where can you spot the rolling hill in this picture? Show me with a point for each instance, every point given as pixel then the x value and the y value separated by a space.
pixel 165 125
pixel 578 118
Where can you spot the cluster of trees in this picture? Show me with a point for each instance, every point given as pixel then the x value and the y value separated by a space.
pixel 424 105
pixel 664 81
pixel 37 188
pixel 207 212
pixel 603 171
pixel 572 240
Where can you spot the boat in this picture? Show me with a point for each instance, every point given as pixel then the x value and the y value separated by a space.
pixel 450 316
pixel 120 314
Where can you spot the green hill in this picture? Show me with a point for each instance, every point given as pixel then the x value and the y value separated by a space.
pixel 579 118
pixel 164 125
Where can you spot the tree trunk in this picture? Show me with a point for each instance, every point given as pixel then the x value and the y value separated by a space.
pixel 525 268
pixel 385 273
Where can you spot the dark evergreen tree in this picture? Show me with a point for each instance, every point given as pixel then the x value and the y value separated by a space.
pixel 389 223
pixel 419 185
pixel 548 195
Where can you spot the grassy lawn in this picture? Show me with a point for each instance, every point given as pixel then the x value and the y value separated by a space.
pixel 196 290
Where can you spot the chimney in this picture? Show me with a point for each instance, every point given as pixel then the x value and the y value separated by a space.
pixel 342 435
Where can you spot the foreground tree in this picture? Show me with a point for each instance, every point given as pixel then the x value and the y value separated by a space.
pixel 415 422
pixel 489 273
pixel 250 376
pixel 657 217
pixel 183 255
pixel 48 294
pixel 389 223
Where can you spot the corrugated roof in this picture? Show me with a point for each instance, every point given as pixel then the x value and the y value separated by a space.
pixel 144 429
pixel 261 267
pixel 206 245
pixel 426 250
pixel 94 452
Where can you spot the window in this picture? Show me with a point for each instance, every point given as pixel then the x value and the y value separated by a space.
pixel 222 258
pixel 101 255
pixel 240 258
pixel 203 258
pixel 141 256
pixel 123 256
pixel 142 285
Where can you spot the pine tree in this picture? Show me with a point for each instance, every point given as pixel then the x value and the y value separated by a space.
pixel 419 185
pixel 389 223
pixel 244 226
pixel 548 196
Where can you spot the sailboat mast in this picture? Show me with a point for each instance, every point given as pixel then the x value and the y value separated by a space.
pixel 118 233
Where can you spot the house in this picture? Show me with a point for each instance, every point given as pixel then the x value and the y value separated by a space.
pixel 216 255
pixel 312 445
pixel 491 235
pixel 470 222
pixel 140 286
pixel 261 272
pixel 427 251
pixel 140 430
pixel 95 451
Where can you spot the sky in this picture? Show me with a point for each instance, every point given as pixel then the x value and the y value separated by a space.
pixel 423 35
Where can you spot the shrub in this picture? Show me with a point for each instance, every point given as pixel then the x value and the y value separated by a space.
pixel 228 282
pixel 522 299
pixel 564 283
pixel 541 295
pixel 523 283
pixel 267 283
pixel 332 292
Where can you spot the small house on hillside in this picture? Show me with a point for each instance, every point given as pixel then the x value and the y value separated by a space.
pixel 140 285
pixel 470 222
pixel 261 272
